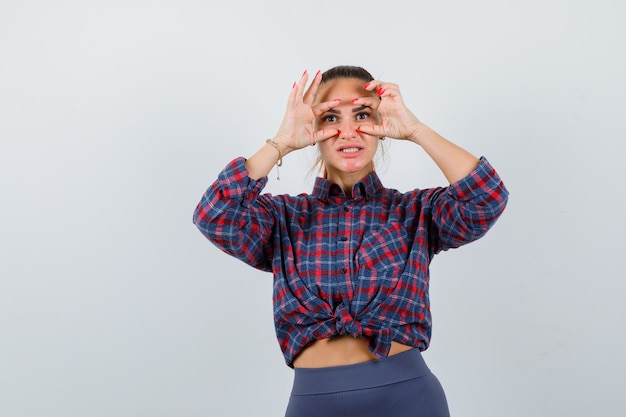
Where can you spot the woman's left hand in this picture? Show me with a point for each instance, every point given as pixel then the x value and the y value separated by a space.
pixel 396 120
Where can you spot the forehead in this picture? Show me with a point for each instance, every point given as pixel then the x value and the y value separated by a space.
pixel 344 88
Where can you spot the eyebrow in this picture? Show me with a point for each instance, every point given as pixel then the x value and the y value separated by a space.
pixel 355 110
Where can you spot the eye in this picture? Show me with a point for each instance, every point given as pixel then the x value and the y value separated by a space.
pixel 362 116
pixel 329 118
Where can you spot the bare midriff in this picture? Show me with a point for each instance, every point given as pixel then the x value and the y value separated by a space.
pixel 340 350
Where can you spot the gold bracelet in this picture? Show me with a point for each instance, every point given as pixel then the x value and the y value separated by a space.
pixel 280 154
pixel 279 163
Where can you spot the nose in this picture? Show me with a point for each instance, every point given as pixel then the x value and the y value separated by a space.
pixel 347 130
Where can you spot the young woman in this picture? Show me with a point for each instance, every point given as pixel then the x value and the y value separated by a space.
pixel 350 260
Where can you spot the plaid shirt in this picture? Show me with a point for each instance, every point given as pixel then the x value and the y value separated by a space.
pixel 357 266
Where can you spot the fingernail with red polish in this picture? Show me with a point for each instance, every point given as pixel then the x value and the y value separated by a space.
pixel 365 86
pixel 294 85
pixel 354 100
pixel 304 73
pixel 380 91
pixel 338 132
pixel 317 73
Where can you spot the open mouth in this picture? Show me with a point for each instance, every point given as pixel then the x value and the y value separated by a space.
pixel 350 150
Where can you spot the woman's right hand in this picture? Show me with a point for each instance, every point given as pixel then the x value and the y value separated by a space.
pixel 297 128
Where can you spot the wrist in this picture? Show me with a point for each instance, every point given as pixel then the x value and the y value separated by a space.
pixel 279 149
pixel 418 133
pixel 281 142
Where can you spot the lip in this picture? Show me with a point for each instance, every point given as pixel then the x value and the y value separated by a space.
pixel 350 154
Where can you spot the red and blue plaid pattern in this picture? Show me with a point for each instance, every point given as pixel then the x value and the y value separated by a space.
pixel 356 267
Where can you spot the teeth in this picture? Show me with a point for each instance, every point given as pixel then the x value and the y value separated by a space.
pixel 350 150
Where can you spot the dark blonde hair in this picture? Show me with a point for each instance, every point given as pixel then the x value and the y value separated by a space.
pixel 346 71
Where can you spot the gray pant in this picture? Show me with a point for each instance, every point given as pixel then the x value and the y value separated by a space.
pixel 400 385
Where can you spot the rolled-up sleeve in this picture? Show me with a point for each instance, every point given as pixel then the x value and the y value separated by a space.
pixel 233 217
pixel 466 210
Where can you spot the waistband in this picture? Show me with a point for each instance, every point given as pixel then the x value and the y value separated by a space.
pixel 384 371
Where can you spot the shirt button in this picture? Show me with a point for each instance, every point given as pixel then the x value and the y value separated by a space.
pixel 344 270
pixel 346 209
pixel 344 238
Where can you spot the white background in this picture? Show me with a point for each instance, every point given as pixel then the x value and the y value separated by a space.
pixel 116 115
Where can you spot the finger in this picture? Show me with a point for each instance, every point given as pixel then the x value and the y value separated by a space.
pixel 372 85
pixel 312 90
pixel 381 88
pixel 292 95
pixel 372 130
pixel 302 86
pixel 368 101
pixel 324 134
pixel 389 90
pixel 325 106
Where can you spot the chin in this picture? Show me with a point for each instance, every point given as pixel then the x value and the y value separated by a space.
pixel 352 169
